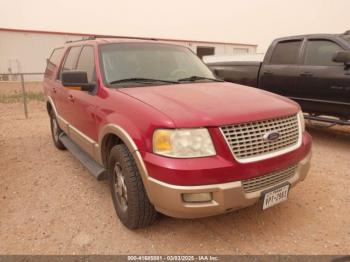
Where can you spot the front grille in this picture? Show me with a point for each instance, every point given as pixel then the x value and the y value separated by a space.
pixel 247 140
pixel 271 179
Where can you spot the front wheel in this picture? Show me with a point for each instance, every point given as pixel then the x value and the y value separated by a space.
pixel 128 193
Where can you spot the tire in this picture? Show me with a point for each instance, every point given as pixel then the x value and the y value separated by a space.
pixel 130 200
pixel 56 131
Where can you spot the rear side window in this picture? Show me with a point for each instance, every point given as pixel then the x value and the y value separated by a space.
pixel 53 62
pixel 321 52
pixel 86 62
pixel 286 53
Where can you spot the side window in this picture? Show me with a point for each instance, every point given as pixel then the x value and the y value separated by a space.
pixel 71 59
pixel 53 62
pixel 286 53
pixel 86 62
pixel 321 52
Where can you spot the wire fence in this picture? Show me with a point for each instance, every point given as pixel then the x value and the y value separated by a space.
pixel 23 86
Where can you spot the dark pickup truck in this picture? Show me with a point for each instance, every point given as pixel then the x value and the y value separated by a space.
pixel 313 70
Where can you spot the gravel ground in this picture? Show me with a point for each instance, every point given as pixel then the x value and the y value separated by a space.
pixel 49 204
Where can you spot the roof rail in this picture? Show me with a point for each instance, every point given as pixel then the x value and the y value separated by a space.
pixel 93 37
pixel 79 40
pixel 124 37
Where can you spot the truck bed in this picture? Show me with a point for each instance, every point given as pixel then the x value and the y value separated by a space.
pixel 240 72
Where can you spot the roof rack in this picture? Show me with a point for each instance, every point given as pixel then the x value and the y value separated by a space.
pixel 93 37
pixel 79 40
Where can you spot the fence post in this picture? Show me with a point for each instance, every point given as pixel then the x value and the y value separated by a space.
pixel 24 95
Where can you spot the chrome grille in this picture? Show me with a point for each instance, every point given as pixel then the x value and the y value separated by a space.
pixel 247 141
pixel 271 179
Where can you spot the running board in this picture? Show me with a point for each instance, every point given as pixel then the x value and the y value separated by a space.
pixel 327 120
pixel 94 168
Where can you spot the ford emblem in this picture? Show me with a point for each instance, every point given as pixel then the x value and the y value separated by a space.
pixel 271 136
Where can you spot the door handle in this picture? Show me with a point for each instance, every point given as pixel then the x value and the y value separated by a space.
pixel 268 73
pixel 307 74
pixel 71 98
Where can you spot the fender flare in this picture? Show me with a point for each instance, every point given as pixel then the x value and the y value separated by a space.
pixel 123 135
pixel 49 100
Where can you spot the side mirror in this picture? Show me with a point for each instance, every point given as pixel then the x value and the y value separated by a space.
pixel 77 80
pixel 342 57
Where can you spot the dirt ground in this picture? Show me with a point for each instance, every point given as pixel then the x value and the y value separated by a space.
pixel 15 87
pixel 49 204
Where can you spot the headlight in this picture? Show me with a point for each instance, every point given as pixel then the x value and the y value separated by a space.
pixel 302 120
pixel 183 143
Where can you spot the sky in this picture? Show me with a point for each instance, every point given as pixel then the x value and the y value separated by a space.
pixel 243 21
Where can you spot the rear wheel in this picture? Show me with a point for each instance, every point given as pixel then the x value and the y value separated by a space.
pixel 128 193
pixel 56 131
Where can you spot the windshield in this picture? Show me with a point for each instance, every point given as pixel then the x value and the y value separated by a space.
pixel 151 62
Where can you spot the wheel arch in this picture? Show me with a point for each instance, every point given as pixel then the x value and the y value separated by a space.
pixel 50 106
pixel 111 135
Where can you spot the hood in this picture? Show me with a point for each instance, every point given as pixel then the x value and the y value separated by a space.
pixel 212 104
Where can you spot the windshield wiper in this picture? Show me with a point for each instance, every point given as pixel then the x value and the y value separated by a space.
pixel 141 80
pixel 195 78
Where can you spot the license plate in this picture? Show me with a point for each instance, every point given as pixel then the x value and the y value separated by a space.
pixel 275 196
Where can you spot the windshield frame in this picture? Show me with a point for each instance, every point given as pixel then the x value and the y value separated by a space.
pixel 134 84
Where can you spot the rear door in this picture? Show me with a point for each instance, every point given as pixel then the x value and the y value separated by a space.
pixel 50 80
pixel 321 79
pixel 279 70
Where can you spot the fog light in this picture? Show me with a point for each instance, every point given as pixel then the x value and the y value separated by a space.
pixel 197 197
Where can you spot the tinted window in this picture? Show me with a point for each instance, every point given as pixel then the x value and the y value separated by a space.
pixel 53 62
pixel 286 53
pixel 87 62
pixel 56 56
pixel 321 52
pixel 71 59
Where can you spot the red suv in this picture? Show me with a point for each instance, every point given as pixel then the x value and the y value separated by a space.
pixel 169 136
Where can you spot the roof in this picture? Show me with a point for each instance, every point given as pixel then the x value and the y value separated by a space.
pixel 99 35
pixel 312 35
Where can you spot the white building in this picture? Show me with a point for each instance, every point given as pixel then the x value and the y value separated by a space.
pixel 26 51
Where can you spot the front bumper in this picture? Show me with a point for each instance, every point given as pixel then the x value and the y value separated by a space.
pixel 167 198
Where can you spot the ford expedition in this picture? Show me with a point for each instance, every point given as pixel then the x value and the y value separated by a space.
pixel 170 137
